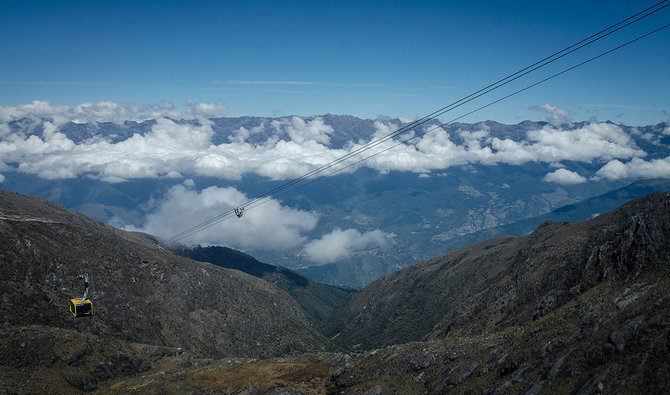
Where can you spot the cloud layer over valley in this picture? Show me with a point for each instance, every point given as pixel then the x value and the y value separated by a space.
pixel 95 141
pixel 34 140
pixel 340 244
pixel 269 226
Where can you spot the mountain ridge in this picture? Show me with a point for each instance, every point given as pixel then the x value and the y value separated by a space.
pixel 441 296
pixel 572 212
pixel 316 300
pixel 607 334
pixel 464 185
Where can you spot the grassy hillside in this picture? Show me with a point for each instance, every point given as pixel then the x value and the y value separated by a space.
pixel 612 338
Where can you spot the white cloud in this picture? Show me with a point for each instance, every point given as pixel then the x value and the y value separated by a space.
pixel 205 110
pixel 294 146
pixel 636 168
pixel 564 177
pixel 267 226
pixel 435 150
pixel 300 131
pixel 602 141
pixel 171 148
pixel 60 114
pixel 168 148
pixel 555 115
pixel 340 244
pixel 242 134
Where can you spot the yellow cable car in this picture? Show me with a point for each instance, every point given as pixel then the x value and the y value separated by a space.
pixel 80 307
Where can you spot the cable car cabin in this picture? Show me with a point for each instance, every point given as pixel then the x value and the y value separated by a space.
pixel 81 307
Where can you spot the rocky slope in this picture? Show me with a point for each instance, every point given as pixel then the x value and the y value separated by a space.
pixel 508 281
pixel 573 308
pixel 316 300
pixel 141 294
pixel 612 338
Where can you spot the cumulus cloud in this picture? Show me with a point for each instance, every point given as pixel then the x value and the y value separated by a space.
pixel 601 141
pixel 636 168
pixel 294 146
pixel 564 177
pixel 340 244
pixel 268 226
pixel 300 131
pixel 168 148
pixel 555 115
pixel 202 110
pixel 436 150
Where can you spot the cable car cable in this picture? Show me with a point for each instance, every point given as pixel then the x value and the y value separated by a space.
pixel 476 94
pixel 484 106
pixel 262 200
pixel 568 50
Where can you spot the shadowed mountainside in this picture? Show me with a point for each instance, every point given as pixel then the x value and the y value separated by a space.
pixel 141 292
pixel 316 300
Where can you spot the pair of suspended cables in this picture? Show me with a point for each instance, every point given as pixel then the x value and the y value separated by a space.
pixel 316 174
pixel 440 125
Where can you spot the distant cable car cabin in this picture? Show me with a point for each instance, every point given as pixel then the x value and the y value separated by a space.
pixel 239 211
pixel 80 307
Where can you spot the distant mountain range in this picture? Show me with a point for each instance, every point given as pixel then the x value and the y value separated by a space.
pixel 494 176
pixel 506 281
pixel 572 212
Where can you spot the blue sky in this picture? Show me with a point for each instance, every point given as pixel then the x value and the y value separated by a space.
pixel 315 57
